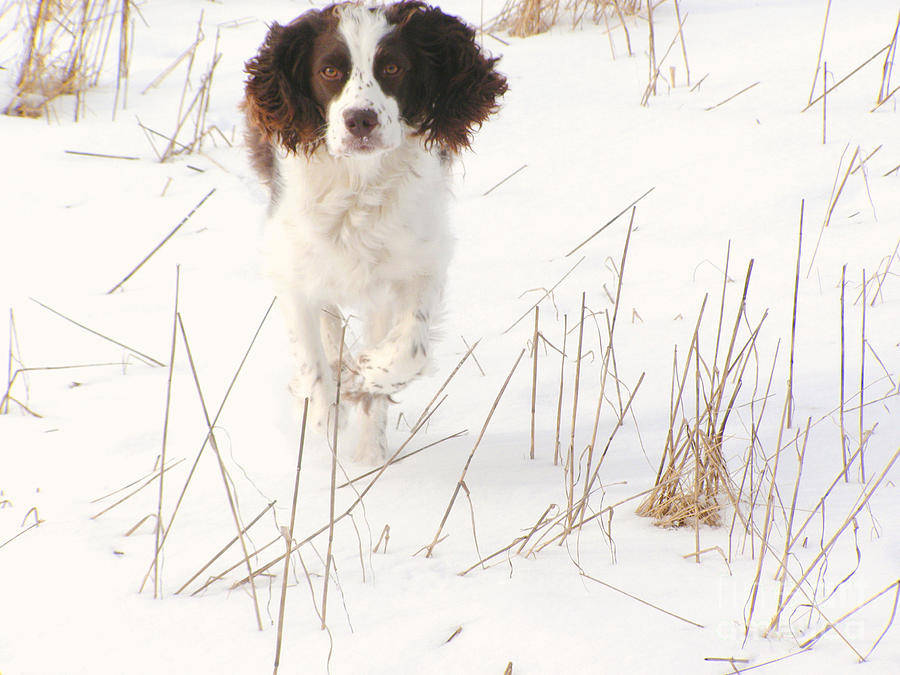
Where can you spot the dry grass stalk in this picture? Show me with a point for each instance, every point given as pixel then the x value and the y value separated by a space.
pixel 199 104
pixel 895 585
pixel 521 168
pixel 687 68
pixel 848 76
pixel 651 56
pixel 656 66
pixel 157 591
pixel 385 537
pixel 101 155
pixel 790 523
pixel 826 547
pixel 640 600
pixel 360 496
pixel 334 453
pixel 9 398
pixel 226 480
pixel 219 577
pixel 888 262
pixel 570 454
pixel 162 243
pixel 730 98
pixel 4 405
pixel 790 385
pixel 562 376
pixel 885 91
pixel 135 352
pixel 225 548
pixel 13 356
pixel 815 78
pixel 844 438
pixel 66 42
pixel 534 372
pixel 766 528
pixel 836 191
pixel 289 536
pixel 607 362
pixel 824 100
pixel 400 458
pixel 16 536
pixel 862 382
pixel 611 221
pixel 131 494
pixel 124 61
pixel 206 439
pixel 544 296
pixel 459 484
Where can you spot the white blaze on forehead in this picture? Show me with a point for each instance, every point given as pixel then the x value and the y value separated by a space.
pixel 362 30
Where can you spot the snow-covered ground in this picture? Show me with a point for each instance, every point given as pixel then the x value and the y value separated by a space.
pixel 74 225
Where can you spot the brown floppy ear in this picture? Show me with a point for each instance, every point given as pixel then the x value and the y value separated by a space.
pixel 278 102
pixel 457 88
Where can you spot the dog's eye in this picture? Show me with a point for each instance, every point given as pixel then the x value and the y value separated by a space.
pixel 391 70
pixel 330 73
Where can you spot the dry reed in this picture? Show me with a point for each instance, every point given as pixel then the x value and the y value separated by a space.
pixel 692 471
pixel 289 536
pixel 64 50
pixel 521 18
pixel 226 480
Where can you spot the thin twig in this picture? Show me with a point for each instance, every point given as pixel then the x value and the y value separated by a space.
pixel 157 586
pixel 289 536
pixel 162 243
pixel 334 451
pixel 225 548
pixel 141 355
pixel 524 166
pixel 847 77
pixel 225 479
pixel 206 438
pixel 733 96
pixel 545 295
pixel 437 536
pixel 640 600
pixel 611 221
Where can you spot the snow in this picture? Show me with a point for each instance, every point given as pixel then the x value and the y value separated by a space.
pixel 75 225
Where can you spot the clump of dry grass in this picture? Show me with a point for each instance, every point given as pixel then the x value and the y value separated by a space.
pixel 692 473
pixel 65 45
pixel 522 18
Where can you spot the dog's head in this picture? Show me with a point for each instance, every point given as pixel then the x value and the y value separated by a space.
pixel 359 79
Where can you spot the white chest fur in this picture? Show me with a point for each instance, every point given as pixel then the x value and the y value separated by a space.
pixel 344 229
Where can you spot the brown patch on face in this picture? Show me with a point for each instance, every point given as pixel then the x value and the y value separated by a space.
pixel 452 87
pixel 280 101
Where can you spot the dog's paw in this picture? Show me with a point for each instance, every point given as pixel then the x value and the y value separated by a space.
pixel 371 451
pixel 321 411
pixel 389 368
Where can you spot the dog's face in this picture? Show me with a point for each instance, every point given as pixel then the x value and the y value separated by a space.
pixel 360 79
pixel 357 77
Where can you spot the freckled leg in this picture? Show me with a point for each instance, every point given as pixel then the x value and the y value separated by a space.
pixel 372 447
pixel 402 353
pixel 313 377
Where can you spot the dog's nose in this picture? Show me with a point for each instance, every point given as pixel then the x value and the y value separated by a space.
pixel 360 122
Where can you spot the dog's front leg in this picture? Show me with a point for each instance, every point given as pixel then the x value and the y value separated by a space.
pixel 313 377
pixel 402 354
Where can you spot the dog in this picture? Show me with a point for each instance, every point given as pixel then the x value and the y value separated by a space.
pixel 353 117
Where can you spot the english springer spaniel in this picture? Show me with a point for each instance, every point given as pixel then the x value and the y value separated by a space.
pixel 353 116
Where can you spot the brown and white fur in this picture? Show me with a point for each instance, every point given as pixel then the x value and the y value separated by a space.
pixel 353 115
